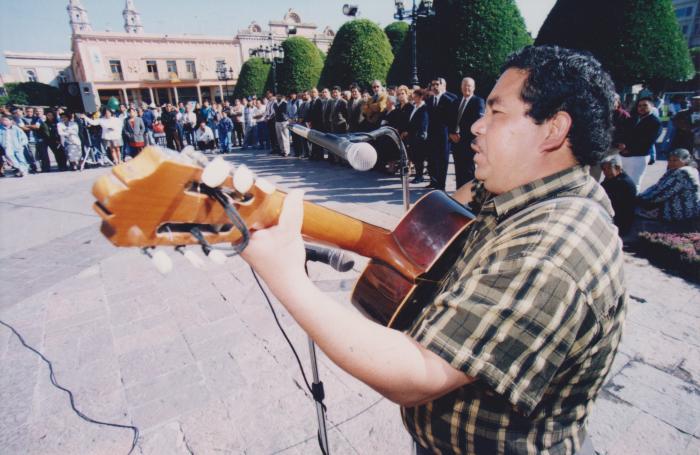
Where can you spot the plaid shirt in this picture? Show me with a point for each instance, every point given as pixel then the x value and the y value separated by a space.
pixel 533 309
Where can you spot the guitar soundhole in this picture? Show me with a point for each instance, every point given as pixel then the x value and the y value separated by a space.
pixel 173 228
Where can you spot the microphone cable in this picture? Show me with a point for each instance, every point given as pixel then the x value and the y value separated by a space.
pixel 52 376
pixel 315 393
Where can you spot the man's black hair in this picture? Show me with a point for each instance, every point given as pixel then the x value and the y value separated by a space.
pixel 336 87
pixel 574 82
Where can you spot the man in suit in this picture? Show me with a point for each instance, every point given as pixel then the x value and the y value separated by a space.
pixel 281 121
pixel 467 110
pixel 314 119
pixel 440 107
pixel 302 112
pixel 339 112
pixel 354 108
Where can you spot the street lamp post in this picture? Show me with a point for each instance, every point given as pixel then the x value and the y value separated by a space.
pixel 422 10
pixel 272 54
pixel 224 74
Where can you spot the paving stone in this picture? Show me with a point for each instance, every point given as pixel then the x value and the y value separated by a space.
pixel 650 436
pixel 659 394
pixel 140 365
pixel 170 406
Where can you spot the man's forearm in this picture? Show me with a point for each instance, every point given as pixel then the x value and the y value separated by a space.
pixel 385 359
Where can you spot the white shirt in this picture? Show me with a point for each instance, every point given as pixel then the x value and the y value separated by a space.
pixel 111 127
pixel 205 135
pixel 69 133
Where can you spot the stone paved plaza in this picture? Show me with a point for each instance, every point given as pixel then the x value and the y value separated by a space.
pixel 195 361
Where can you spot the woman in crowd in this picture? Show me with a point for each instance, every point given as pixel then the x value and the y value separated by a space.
pixel 675 197
pixel 135 132
pixel 111 133
pixel 69 132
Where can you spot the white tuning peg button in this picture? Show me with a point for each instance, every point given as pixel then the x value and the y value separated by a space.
pixel 265 185
pixel 194 259
pixel 162 262
pixel 243 179
pixel 217 257
pixel 215 172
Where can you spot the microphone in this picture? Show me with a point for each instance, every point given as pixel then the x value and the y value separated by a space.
pixel 361 156
pixel 337 259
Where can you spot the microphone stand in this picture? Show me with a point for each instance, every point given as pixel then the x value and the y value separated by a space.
pixel 317 392
pixel 394 135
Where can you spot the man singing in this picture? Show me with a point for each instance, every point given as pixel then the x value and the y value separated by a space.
pixel 510 354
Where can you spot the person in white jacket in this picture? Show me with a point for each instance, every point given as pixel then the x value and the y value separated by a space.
pixel 69 132
pixel 111 133
pixel 204 136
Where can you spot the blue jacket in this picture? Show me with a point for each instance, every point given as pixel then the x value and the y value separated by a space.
pixel 12 139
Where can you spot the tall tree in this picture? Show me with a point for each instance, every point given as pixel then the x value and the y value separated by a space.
pixel 469 38
pixel 637 41
pixel 302 65
pixel 360 53
pixel 253 79
pixel 400 40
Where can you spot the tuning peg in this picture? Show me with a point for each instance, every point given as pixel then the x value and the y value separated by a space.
pixel 162 262
pixel 243 179
pixel 191 256
pixel 215 172
pixel 265 185
pixel 217 257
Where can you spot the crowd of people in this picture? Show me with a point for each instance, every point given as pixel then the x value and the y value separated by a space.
pixel 432 121
pixel 675 198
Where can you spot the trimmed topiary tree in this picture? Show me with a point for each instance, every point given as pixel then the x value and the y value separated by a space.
pixel 637 41
pixel 302 65
pixel 253 79
pixel 479 35
pixel 400 39
pixel 397 32
pixel 360 53
pixel 32 93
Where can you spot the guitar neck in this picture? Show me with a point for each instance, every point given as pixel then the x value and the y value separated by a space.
pixel 331 227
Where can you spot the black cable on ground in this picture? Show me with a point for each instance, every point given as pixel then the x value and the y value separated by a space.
pixel 70 394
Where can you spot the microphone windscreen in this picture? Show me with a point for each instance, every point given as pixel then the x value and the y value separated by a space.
pixel 362 156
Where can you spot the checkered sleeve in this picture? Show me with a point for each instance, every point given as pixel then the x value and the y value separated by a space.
pixel 510 323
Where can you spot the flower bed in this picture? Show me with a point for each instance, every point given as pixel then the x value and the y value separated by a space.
pixel 680 252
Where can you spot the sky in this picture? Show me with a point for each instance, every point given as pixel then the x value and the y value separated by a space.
pixel 42 25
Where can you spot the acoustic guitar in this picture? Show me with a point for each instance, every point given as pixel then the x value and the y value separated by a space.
pixel 157 198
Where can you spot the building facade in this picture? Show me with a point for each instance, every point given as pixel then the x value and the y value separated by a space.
pixel 688 15
pixel 137 67
pixel 51 69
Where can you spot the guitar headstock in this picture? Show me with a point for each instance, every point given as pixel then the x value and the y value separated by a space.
pixel 157 198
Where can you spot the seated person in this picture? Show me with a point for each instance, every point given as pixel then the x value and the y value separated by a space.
pixel 204 136
pixel 621 190
pixel 676 196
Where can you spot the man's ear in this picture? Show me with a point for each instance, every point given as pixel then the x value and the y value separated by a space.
pixel 558 128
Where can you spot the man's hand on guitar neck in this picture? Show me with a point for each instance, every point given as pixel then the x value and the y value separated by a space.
pixel 385 359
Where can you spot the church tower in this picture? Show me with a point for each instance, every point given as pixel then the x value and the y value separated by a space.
pixel 79 21
pixel 132 18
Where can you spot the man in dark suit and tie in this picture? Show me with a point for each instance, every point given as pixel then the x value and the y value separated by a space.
pixel 467 110
pixel 314 118
pixel 440 107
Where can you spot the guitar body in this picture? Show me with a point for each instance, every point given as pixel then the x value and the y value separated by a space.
pixel 430 236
